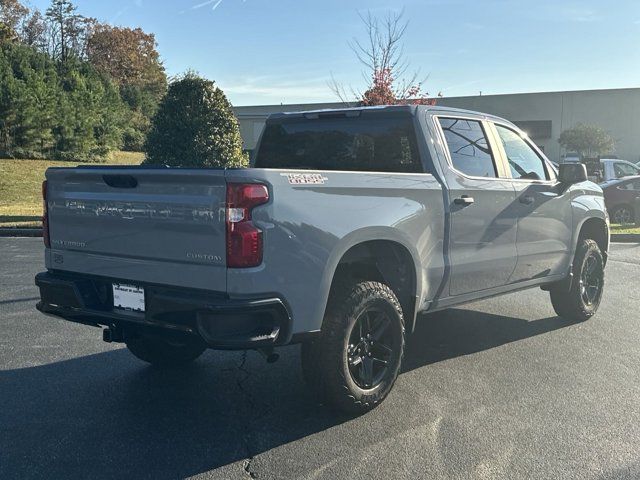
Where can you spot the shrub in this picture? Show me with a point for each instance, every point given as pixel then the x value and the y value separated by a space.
pixel 195 127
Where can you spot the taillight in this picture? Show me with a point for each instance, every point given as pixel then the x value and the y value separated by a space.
pixel 244 239
pixel 45 216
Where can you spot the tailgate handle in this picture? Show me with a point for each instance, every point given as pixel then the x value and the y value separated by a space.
pixel 120 181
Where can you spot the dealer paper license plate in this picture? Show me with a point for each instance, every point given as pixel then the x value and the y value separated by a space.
pixel 128 297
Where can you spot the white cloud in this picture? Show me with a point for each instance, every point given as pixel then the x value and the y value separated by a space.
pixel 214 4
pixel 204 4
pixel 271 89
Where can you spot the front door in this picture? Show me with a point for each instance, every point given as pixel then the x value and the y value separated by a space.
pixel 482 239
pixel 543 208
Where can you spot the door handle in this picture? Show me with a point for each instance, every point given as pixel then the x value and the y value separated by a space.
pixel 527 199
pixel 464 200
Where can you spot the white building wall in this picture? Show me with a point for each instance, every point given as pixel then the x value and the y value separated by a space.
pixel 617 111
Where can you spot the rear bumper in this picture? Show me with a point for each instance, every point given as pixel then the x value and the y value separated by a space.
pixel 219 321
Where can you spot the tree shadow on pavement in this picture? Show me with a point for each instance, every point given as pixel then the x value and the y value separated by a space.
pixel 110 416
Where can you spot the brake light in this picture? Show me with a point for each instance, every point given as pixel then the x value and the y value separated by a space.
pixel 244 239
pixel 45 216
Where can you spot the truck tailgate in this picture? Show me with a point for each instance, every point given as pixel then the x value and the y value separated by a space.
pixel 140 222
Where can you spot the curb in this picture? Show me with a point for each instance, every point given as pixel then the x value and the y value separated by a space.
pixel 625 237
pixel 20 232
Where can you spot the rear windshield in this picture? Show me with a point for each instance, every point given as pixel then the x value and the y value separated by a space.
pixel 376 144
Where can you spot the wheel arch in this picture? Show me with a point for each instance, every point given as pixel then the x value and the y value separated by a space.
pixel 593 225
pixel 597 229
pixel 387 258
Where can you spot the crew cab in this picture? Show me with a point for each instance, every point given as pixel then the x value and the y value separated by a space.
pixel 613 168
pixel 348 226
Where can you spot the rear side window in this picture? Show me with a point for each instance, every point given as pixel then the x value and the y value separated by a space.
pixel 468 147
pixel 365 143
pixel 524 162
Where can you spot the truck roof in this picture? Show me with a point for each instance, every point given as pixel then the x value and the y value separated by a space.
pixel 356 111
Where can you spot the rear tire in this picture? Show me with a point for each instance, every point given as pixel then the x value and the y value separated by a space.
pixel 355 361
pixel 582 300
pixel 163 353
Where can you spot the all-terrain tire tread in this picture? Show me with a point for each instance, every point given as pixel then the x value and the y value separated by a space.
pixel 568 304
pixel 320 358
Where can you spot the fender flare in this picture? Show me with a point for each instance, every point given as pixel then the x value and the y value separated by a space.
pixel 358 237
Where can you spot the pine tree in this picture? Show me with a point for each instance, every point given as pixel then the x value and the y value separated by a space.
pixel 8 105
pixel 36 100
pixel 76 114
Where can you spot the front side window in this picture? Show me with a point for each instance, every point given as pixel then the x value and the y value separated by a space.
pixel 624 170
pixel 524 162
pixel 468 147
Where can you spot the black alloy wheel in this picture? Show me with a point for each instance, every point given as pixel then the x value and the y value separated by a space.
pixel 371 345
pixel 591 279
pixel 355 360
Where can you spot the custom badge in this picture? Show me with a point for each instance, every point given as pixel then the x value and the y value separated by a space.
pixel 305 178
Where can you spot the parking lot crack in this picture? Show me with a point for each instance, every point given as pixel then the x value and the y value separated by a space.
pixel 247 468
pixel 242 375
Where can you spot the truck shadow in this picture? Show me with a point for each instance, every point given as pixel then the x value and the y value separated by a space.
pixel 455 332
pixel 108 415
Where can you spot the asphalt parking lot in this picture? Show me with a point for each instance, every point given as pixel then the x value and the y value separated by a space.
pixel 498 389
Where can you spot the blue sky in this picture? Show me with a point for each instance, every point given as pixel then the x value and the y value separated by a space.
pixel 284 51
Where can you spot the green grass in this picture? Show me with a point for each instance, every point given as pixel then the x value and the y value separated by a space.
pixel 20 186
pixel 625 229
pixel 21 196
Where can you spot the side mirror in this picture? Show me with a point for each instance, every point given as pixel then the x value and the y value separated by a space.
pixel 571 173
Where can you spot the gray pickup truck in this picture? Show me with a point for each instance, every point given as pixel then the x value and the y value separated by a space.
pixel 348 225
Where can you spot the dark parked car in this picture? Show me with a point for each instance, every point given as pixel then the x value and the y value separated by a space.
pixel 619 196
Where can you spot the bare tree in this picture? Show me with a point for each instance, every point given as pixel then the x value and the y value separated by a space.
pixel 12 12
pixel 33 31
pixel 68 31
pixel 386 66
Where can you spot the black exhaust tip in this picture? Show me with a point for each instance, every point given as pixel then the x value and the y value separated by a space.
pixel 106 335
pixel 112 334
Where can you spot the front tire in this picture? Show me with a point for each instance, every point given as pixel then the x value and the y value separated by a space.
pixel 164 353
pixel 355 361
pixel 582 300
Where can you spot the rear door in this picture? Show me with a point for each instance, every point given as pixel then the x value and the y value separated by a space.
pixel 482 240
pixel 151 225
pixel 543 207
